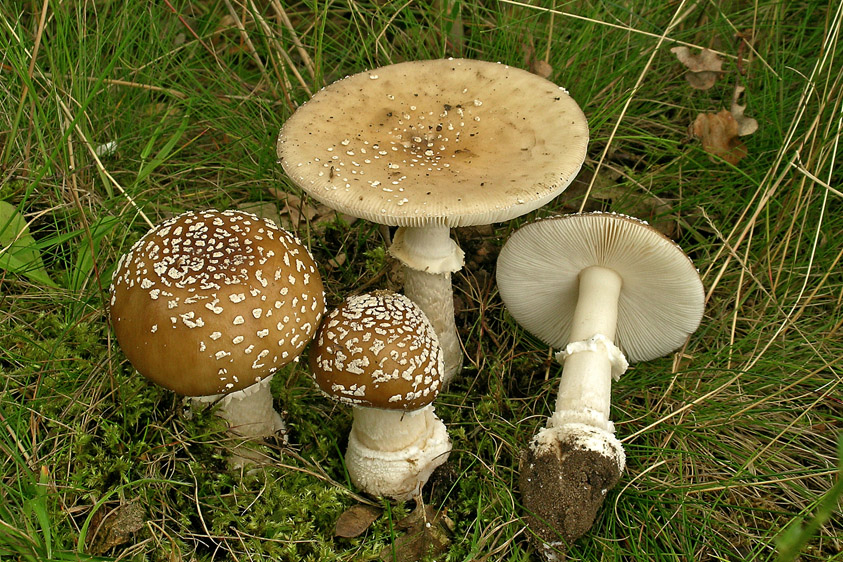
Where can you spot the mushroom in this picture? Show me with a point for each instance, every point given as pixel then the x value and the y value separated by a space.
pixel 431 145
pixel 379 353
pixel 606 289
pixel 211 304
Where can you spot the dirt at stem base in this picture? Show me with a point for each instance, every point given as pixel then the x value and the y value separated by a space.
pixel 562 489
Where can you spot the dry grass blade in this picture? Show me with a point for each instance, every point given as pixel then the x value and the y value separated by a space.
pixel 282 15
pixel 629 29
pixel 677 17
pixel 244 34
pixel 93 153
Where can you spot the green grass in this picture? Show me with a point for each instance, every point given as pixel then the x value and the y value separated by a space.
pixel 732 443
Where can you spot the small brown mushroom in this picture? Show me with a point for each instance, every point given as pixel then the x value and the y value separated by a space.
pixel 378 353
pixel 211 304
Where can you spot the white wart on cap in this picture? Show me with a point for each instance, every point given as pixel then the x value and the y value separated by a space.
pixel 212 302
pixel 449 142
pixel 377 350
pixel 661 297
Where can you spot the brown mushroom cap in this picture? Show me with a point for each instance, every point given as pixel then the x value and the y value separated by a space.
pixel 661 299
pixel 378 350
pixel 450 142
pixel 212 302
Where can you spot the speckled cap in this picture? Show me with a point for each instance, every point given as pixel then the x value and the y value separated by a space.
pixel 212 302
pixel 661 299
pixel 450 142
pixel 378 350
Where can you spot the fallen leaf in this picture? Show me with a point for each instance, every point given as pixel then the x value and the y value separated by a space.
pixel 746 125
pixel 337 261
pixel 703 69
pixel 426 536
pixel 541 67
pixel 295 210
pixel 263 209
pixel 535 64
pixel 355 520
pixel 607 193
pixel 718 133
pixel 160 109
pixel 326 215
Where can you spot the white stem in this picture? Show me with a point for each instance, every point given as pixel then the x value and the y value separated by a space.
pixel 434 294
pixel 586 385
pixel 249 412
pixel 392 452
pixel 389 430
pixel 429 257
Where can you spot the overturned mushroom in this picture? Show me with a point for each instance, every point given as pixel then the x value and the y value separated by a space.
pixel 379 353
pixel 604 288
pixel 211 304
pixel 430 145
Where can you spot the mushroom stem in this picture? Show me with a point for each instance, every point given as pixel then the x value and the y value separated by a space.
pixel 427 248
pixel 434 295
pixel 429 256
pixel 591 358
pixel 249 412
pixel 576 459
pixel 393 452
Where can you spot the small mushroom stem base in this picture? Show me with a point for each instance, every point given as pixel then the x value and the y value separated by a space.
pixel 429 256
pixel 249 412
pixel 392 453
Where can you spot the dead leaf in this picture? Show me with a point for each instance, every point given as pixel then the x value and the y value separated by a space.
pixel 295 210
pixel 227 37
pixel 535 64
pixel 160 109
pixel 541 67
pixel 718 133
pixel 355 520
pixel 337 261
pixel 116 527
pixel 607 193
pixel 427 535
pixel 703 69
pixel 326 215
pixel 746 125
pixel 606 178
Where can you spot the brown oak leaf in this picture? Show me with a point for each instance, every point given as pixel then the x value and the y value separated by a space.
pixel 356 520
pixel 703 69
pixel 746 125
pixel 718 133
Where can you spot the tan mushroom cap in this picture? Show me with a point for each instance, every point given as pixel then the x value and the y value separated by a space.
pixel 448 142
pixel 661 299
pixel 212 302
pixel 378 350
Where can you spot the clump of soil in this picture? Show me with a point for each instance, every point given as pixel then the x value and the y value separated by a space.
pixel 563 484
